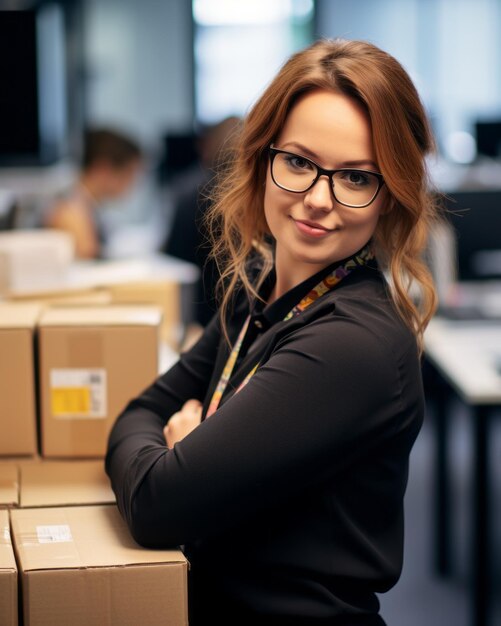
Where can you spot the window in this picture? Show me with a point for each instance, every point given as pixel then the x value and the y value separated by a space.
pixel 239 47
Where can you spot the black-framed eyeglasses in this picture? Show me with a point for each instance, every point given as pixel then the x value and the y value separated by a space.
pixel 353 188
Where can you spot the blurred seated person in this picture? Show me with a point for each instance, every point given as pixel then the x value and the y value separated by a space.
pixel 186 238
pixel 110 165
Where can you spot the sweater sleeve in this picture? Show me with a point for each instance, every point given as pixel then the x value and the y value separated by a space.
pixel 136 438
pixel 328 394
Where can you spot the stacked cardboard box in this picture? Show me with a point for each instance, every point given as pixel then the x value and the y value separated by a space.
pixel 56 298
pixel 93 361
pixel 9 485
pixel 164 294
pixel 17 379
pixel 43 483
pixel 8 575
pixel 63 483
pixel 80 566
pixel 73 554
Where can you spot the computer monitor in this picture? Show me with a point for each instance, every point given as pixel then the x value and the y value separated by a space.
pixel 476 219
pixel 33 94
pixel 488 134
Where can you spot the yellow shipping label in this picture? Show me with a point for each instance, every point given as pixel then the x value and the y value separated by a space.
pixel 78 393
pixel 69 400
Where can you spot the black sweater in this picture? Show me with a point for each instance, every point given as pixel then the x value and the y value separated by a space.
pixel 288 500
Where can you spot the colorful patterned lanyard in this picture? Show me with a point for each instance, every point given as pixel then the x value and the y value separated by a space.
pixel 325 285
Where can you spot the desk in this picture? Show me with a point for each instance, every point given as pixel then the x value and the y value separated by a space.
pixel 466 355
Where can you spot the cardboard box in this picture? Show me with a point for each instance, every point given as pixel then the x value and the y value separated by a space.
pixel 80 566
pixel 9 485
pixel 8 575
pixel 93 361
pixel 64 483
pixel 64 297
pixel 17 379
pixel 161 293
pixel 164 294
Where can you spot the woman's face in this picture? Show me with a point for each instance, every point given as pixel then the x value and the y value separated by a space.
pixel 311 229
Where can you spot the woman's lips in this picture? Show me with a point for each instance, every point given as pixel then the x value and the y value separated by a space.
pixel 307 228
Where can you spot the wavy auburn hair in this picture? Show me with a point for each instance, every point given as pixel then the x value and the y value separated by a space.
pixel 401 137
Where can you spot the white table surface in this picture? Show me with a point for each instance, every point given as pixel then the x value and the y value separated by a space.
pixel 167 357
pixel 98 273
pixel 468 355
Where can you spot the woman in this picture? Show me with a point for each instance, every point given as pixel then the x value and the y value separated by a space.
pixel 289 424
pixel 111 164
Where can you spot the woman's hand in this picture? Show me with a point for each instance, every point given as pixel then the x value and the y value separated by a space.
pixel 183 422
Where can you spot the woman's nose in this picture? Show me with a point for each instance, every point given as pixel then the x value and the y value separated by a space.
pixel 320 196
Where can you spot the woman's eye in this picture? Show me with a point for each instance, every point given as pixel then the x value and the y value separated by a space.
pixel 357 179
pixel 298 162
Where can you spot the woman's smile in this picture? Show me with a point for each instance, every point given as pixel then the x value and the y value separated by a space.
pixel 312 229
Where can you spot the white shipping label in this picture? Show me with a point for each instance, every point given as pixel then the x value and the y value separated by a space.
pixel 77 393
pixel 57 533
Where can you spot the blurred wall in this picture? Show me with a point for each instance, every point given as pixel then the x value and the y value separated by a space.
pixel 451 48
pixel 139 64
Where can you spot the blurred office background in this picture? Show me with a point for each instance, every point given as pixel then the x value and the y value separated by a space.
pixel 167 70
pixel 163 69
